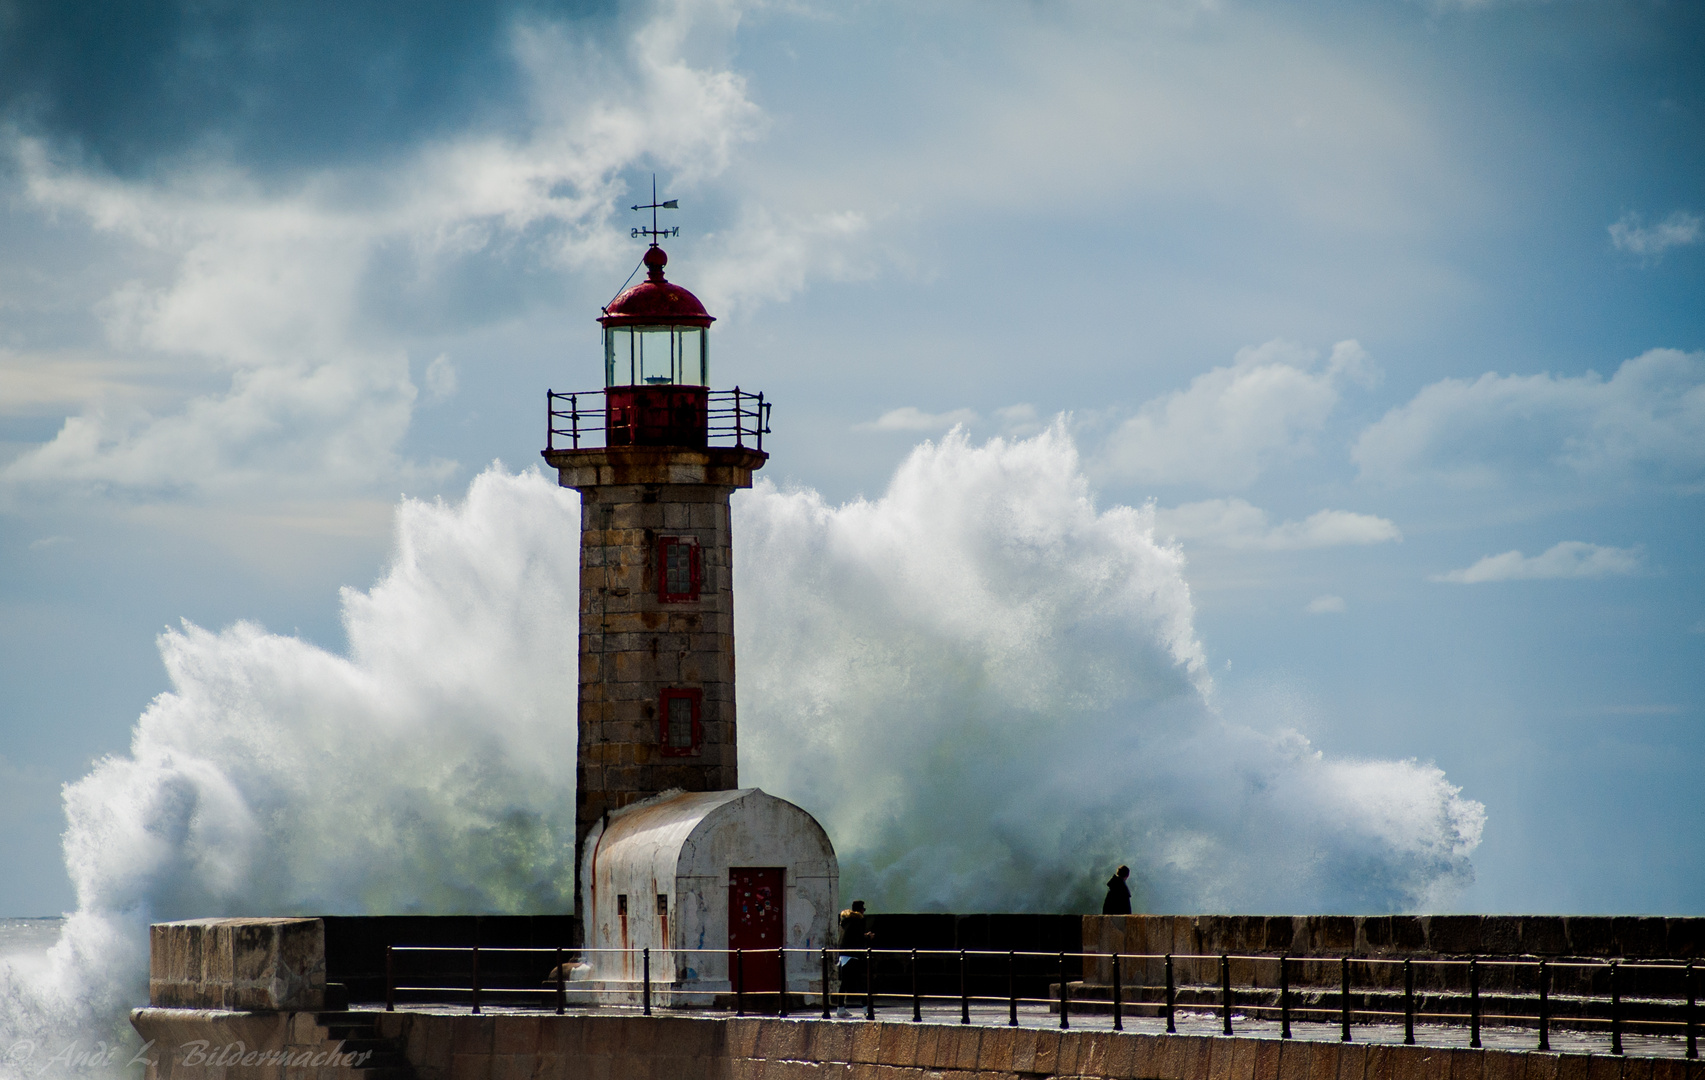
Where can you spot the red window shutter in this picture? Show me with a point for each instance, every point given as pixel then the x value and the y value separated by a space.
pixel 680 730
pixel 679 569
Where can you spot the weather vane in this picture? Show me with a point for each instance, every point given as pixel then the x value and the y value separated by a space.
pixel 654 232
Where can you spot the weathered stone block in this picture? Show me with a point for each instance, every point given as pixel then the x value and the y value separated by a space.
pixel 1381 1063
pixel 1047 1051
pixel 1454 935
pixel 1500 935
pixel 1542 935
pixel 1322 1061
pixel 1504 1065
pixel 1604 1067
pixel 1467 1064
pixel 1590 935
pixel 1537 1066
pixel 1219 1058
pixel 1335 935
pixel 898 1044
pixel 1419 1063
pixel 1639 937
pixel 866 1045
pixel 1573 1066
pixel 515 1035
pixel 1193 1056
pixel 995 1050
pixel 1279 932
pixel 1293 1061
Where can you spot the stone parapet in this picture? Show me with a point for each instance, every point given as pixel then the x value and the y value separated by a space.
pixel 246 964
pixel 603 1047
pixel 1388 937
pixel 605 466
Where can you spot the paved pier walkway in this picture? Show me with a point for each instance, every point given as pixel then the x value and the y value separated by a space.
pixel 989 1014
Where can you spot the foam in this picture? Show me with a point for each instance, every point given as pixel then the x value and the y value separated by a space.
pixel 989 689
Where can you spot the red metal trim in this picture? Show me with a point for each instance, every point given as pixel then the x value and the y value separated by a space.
pixel 697 698
pixel 695 571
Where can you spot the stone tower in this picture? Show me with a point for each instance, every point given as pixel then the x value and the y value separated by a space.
pixel 655 457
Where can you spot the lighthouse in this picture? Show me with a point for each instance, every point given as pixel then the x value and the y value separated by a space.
pixel 671 854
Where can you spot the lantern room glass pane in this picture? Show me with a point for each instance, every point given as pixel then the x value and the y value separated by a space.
pixel 656 356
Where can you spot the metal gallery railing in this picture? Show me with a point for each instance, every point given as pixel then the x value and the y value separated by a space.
pixel 738 418
pixel 1616 997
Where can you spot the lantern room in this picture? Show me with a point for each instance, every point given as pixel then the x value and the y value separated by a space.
pixel 656 363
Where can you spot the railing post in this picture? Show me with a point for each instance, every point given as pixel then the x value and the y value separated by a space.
pixel 739 982
pixel 561 984
pixel 1011 988
pixel 964 992
pixel 1170 997
pixel 1284 997
pixel 1474 1002
pixel 739 422
pixel 1065 996
pixel 1118 1003
pixel 1544 1006
pixel 1408 1002
pixel 1225 993
pixel 781 998
pixel 1692 1017
pixel 917 1002
pixel 390 982
pixel 1615 1012
pixel 870 984
pixel 645 991
pixel 825 982
pixel 476 980
pixel 1344 999
pixel 550 420
pixel 574 417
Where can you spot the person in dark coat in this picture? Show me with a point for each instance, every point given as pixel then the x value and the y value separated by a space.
pixel 1118 900
pixel 855 938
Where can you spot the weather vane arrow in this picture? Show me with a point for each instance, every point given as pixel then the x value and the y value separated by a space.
pixel 654 232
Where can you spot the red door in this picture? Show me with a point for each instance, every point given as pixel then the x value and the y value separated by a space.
pixel 755 928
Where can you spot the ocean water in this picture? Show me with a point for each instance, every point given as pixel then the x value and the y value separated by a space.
pixel 988 687
pixel 28 939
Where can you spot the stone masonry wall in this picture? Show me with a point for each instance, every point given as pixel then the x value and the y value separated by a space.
pixel 633 645
pixel 1382 936
pixel 238 964
pixel 443 1047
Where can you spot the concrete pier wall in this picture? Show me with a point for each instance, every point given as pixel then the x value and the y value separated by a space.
pixel 1387 937
pixel 514 1047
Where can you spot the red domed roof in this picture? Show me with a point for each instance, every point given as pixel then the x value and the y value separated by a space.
pixel 655 302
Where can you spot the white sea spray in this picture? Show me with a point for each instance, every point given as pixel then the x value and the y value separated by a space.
pixel 989 689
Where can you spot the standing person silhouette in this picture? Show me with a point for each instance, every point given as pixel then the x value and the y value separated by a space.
pixel 855 939
pixel 1118 900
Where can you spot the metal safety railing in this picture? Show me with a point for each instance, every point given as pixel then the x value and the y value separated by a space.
pixel 1612 996
pixel 736 417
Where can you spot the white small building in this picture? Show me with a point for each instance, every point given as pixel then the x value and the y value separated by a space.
pixel 694 876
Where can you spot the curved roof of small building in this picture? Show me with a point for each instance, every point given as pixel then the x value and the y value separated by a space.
pixel 655 301
pixel 687 832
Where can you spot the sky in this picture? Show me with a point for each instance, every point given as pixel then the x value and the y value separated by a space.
pixel 1395 312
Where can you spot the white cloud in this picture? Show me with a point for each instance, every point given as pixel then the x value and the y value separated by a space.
pixel 1234 523
pixel 440 377
pixel 1019 420
pixel 1648 417
pixel 1232 423
pixel 260 291
pixel 765 257
pixel 1569 559
pixel 912 418
pixel 1326 605
pixel 1630 233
